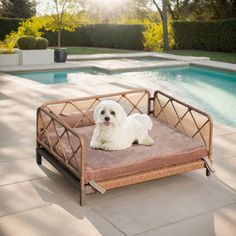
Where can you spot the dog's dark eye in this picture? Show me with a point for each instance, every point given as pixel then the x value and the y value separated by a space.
pixel 113 113
pixel 102 112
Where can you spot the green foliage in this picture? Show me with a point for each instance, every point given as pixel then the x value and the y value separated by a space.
pixel 32 26
pixel 205 35
pixel 28 27
pixel 68 23
pixel 6 46
pixel 42 43
pixel 8 25
pixel 202 10
pixel 18 8
pixel 153 37
pixel 102 35
pixel 27 42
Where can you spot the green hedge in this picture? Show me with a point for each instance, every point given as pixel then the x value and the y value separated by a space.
pixel 201 35
pixel 102 35
pixel 7 25
pixel 210 35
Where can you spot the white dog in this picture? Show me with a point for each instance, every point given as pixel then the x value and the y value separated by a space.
pixel 115 131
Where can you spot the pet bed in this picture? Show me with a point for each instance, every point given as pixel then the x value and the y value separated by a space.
pixel 182 141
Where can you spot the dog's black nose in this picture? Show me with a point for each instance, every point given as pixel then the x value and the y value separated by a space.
pixel 106 118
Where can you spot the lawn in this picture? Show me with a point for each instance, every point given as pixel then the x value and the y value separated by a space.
pixel 217 56
pixel 88 50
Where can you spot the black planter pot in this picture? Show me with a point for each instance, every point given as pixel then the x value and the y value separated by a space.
pixel 60 55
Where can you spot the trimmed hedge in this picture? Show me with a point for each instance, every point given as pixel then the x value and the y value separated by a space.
pixel 42 43
pixel 27 42
pixel 102 35
pixel 7 25
pixel 202 35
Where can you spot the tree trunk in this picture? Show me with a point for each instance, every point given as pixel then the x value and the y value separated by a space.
pixel 165 25
pixel 59 39
pixel 163 15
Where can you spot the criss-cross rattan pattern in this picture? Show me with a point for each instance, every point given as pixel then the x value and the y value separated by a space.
pixel 55 134
pixel 131 101
pixel 56 138
pixel 183 117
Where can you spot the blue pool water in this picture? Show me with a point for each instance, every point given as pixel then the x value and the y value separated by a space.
pixel 210 90
pixel 53 77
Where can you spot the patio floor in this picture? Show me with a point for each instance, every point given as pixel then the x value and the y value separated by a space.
pixel 37 200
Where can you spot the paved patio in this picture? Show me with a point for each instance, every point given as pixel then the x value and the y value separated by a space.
pixel 37 200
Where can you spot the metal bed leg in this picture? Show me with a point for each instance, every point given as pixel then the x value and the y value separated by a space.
pixel 82 197
pixel 38 158
pixel 208 172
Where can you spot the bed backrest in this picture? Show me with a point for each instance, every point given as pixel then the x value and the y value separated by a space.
pixel 79 112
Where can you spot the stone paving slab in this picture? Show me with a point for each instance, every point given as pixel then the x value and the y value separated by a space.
pixel 226 172
pixel 132 55
pixel 56 220
pixel 224 146
pixel 22 170
pixel 17 151
pixel 216 65
pixel 215 222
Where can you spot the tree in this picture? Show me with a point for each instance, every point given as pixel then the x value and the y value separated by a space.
pixel 202 9
pixel 65 17
pixel 18 8
pixel 163 15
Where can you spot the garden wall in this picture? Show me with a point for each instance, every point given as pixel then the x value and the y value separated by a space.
pixel 201 35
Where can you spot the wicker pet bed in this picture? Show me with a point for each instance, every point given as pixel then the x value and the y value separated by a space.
pixel 182 136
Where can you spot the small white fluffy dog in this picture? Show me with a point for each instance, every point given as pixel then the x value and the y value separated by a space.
pixel 117 131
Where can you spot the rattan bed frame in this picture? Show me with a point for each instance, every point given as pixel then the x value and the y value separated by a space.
pixel 173 112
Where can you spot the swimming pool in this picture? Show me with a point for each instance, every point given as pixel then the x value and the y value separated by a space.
pixel 210 90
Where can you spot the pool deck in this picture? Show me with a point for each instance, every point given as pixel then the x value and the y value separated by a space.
pixel 37 200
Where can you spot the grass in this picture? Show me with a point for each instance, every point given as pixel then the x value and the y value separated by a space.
pixel 88 50
pixel 217 56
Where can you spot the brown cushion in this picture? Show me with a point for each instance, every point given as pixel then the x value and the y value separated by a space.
pixel 170 148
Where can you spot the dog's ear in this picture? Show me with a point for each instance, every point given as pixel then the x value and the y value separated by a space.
pixel 96 112
pixel 121 115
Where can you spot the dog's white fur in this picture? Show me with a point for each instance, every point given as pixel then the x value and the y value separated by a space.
pixel 117 131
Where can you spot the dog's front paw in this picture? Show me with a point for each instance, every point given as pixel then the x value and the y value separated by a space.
pixel 95 145
pixel 148 141
pixel 107 147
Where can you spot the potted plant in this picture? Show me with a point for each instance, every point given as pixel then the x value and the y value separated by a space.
pixel 33 50
pixel 65 18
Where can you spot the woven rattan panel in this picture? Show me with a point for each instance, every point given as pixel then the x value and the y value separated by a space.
pixel 183 117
